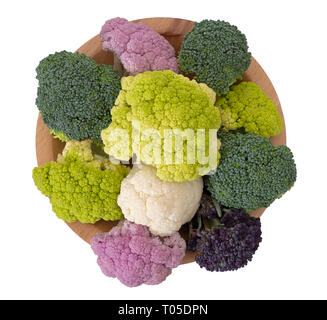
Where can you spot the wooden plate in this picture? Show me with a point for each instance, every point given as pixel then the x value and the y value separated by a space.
pixel 47 148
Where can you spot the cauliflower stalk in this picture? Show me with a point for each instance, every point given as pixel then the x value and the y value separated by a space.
pixel 162 206
pixel 81 186
pixel 247 106
pixel 167 121
pixel 132 254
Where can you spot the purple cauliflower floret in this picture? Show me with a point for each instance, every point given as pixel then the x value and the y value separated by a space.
pixel 132 254
pixel 138 47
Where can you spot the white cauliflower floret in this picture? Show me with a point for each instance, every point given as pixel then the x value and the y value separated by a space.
pixel 162 206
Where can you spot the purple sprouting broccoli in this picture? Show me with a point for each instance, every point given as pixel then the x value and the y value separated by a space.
pixel 225 240
pixel 138 47
pixel 209 207
pixel 135 256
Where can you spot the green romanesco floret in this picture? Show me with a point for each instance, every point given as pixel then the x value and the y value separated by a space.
pixel 216 53
pixel 210 93
pixel 59 135
pixel 79 151
pixel 75 95
pixel 252 172
pixel 247 106
pixel 159 106
pixel 82 186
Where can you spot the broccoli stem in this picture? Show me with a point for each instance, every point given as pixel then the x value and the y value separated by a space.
pixel 210 224
pixel 217 206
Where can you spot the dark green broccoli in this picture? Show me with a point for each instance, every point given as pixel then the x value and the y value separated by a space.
pixel 216 53
pixel 75 95
pixel 252 172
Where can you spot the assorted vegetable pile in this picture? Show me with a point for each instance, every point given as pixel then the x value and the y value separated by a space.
pixel 173 144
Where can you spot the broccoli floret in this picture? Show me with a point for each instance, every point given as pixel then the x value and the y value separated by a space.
pixel 247 106
pixel 82 186
pixel 225 239
pixel 216 53
pixel 252 172
pixel 75 95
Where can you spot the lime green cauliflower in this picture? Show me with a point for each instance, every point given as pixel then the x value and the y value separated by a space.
pixel 150 104
pixel 82 186
pixel 247 106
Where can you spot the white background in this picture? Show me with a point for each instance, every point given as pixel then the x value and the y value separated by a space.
pixel 41 258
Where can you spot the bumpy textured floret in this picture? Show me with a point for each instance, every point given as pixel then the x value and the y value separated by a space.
pixel 247 106
pixel 59 135
pixel 138 47
pixel 75 95
pixel 132 254
pixel 162 206
pixel 208 91
pixel 252 172
pixel 216 53
pixel 81 186
pixel 152 102
pixel 226 242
